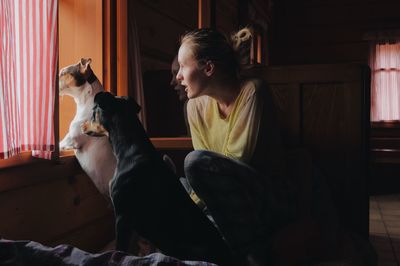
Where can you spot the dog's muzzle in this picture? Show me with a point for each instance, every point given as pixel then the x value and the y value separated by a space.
pixel 94 128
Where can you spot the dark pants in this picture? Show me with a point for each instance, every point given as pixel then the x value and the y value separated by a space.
pixel 237 197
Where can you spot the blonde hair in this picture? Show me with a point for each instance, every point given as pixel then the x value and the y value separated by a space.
pixel 211 45
pixel 240 37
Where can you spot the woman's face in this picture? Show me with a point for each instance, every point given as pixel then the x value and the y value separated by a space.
pixel 190 74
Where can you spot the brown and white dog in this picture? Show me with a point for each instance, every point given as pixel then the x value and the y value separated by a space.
pixel 94 154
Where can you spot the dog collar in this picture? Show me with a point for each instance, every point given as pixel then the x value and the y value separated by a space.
pixel 92 78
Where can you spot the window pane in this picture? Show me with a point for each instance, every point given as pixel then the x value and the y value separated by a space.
pixel 387 56
pixel 387 85
pixel 160 25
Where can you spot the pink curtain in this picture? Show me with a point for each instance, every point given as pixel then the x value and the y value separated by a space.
pixel 28 68
pixel 385 81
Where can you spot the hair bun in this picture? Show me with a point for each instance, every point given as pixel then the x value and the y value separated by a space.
pixel 239 37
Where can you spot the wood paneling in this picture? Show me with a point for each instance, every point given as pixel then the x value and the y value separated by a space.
pixel 46 201
pixel 287 102
pixel 48 210
pixel 385 158
pixel 325 108
pixel 331 31
pixel 37 171
pixel 183 12
pixel 54 202
pixel 92 237
pixel 181 143
pixel 227 16
pixel 310 32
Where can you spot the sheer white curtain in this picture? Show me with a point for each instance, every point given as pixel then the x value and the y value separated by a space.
pixel 28 54
pixel 385 80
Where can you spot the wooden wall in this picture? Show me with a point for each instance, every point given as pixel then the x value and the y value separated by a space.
pixel 329 31
pixel 54 202
pixel 325 109
pixel 385 158
pixel 227 19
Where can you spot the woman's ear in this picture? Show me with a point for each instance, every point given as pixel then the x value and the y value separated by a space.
pixel 209 68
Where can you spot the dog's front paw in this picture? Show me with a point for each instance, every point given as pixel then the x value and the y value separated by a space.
pixel 66 144
pixel 65 147
pixel 93 129
pixel 85 127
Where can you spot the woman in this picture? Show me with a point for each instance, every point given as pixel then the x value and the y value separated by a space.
pixel 237 167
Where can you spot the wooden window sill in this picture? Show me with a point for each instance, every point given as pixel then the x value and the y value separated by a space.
pixel 19 159
pixel 385 124
pixel 181 143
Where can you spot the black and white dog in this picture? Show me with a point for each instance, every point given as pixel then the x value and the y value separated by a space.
pixel 147 196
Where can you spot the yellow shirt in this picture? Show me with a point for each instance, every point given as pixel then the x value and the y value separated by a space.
pixel 234 136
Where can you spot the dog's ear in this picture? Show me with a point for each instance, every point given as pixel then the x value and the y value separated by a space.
pixel 132 105
pixel 104 100
pixel 84 64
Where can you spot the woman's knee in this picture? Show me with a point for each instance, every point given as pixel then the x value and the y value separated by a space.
pixel 195 159
pixel 196 164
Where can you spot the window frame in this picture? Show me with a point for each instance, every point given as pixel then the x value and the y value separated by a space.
pixel 114 18
pixel 374 72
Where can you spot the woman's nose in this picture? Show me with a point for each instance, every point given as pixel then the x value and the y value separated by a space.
pixel 179 76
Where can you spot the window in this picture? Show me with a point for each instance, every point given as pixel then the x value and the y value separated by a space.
pixel 91 29
pixel 385 81
pixel 80 35
pixel 28 56
pixel 156 21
